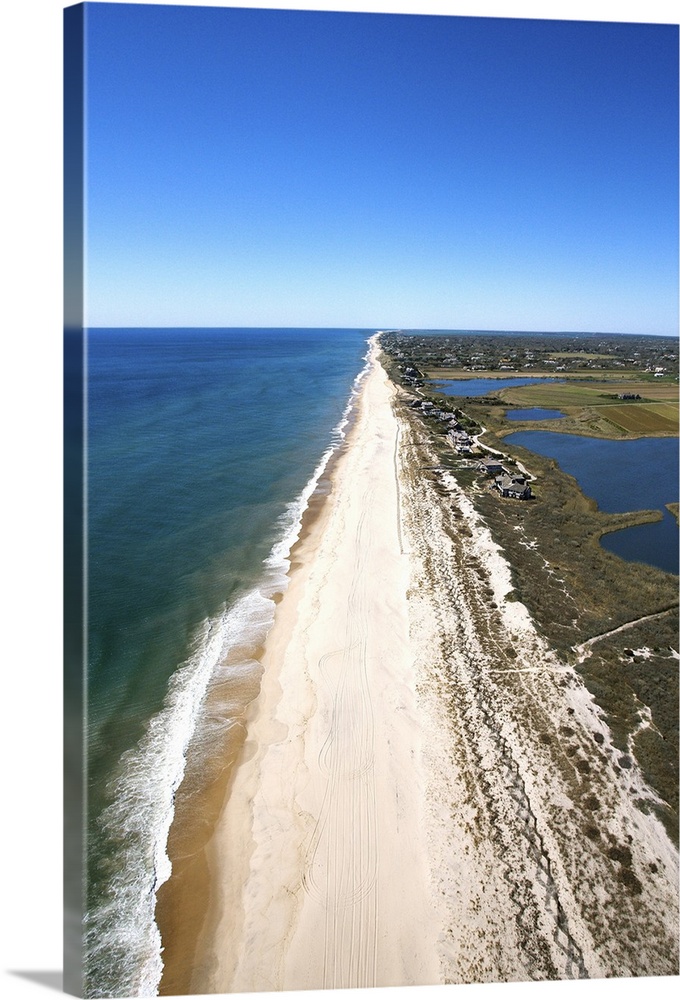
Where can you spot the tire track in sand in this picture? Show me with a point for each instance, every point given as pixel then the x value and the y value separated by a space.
pixel 342 857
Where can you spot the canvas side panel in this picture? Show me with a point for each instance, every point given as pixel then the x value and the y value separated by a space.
pixel 74 508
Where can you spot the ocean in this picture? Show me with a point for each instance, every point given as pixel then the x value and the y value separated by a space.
pixel 203 446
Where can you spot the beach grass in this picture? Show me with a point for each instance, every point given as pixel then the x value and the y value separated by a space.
pixel 633 676
pixel 574 590
pixel 572 587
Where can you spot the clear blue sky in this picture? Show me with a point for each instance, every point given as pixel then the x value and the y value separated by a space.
pixel 290 168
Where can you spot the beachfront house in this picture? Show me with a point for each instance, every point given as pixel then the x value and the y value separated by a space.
pixel 492 467
pixel 515 487
pixel 461 441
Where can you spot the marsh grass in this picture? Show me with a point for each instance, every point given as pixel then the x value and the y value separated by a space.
pixel 575 590
pixel 587 412
pixel 639 694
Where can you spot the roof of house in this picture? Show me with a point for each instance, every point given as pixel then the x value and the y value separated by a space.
pixel 516 484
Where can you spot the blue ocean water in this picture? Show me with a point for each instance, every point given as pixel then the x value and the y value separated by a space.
pixel 621 476
pixel 203 446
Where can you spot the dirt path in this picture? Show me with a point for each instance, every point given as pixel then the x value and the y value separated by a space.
pixel 582 647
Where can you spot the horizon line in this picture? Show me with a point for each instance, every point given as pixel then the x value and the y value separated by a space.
pixel 390 329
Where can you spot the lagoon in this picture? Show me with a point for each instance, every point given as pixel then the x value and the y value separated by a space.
pixel 482 386
pixel 534 413
pixel 621 476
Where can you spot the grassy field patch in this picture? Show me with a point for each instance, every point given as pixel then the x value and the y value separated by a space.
pixel 556 395
pixel 573 588
pixel 571 355
pixel 577 374
pixel 645 418
pixel 591 409
pixel 658 391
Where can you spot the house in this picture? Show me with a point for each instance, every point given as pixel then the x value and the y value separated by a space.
pixel 492 467
pixel 461 441
pixel 513 486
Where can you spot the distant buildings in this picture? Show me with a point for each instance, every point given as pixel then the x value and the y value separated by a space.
pixel 509 483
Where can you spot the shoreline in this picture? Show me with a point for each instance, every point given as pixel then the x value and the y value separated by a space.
pixel 318 800
pixel 426 792
pixel 189 891
pixel 317 797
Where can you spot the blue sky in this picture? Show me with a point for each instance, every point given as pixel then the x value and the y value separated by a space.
pixel 295 168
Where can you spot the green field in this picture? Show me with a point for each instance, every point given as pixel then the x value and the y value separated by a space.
pixel 557 395
pixel 660 390
pixel 590 409
pixel 587 393
pixel 582 355
pixel 644 418
pixel 591 374
pixel 588 398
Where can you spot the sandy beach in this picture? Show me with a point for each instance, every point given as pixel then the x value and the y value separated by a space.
pixel 330 801
pixel 413 803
